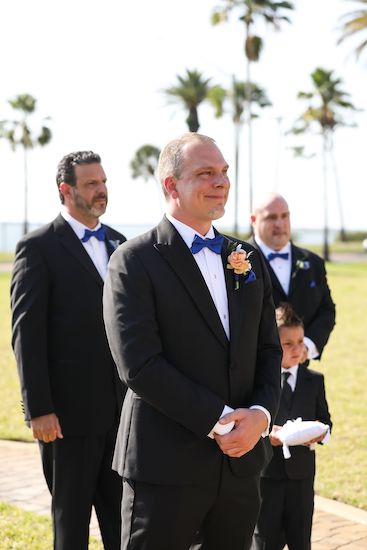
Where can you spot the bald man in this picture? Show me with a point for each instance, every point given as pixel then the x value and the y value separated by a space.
pixel 298 275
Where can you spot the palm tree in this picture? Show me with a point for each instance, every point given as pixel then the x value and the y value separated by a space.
pixel 144 165
pixel 326 101
pixel 145 161
pixel 18 132
pixel 237 97
pixel 355 22
pixel 251 11
pixel 190 90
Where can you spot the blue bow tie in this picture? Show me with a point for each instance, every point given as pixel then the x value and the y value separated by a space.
pixel 98 234
pixel 282 255
pixel 214 245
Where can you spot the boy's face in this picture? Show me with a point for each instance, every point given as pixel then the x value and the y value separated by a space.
pixel 291 339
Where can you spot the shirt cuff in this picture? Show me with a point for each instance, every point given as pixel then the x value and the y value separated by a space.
pixel 222 429
pixel 326 437
pixel 312 351
pixel 260 408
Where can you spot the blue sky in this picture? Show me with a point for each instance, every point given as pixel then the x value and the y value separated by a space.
pixel 98 69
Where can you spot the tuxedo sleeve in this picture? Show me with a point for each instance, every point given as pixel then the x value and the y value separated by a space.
pixel 134 337
pixel 318 329
pixel 29 302
pixel 322 409
pixel 266 389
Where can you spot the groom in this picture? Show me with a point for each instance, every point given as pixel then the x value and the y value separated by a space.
pixel 191 347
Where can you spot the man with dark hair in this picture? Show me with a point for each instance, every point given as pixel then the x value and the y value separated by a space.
pixel 298 275
pixel 66 167
pixel 71 392
pixel 191 325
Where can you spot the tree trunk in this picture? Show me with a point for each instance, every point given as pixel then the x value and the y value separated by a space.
pixel 25 219
pixel 236 177
pixel 249 127
pixel 325 247
pixel 342 235
pixel 192 120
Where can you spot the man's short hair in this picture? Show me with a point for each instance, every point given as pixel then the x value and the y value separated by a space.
pixel 65 169
pixel 170 158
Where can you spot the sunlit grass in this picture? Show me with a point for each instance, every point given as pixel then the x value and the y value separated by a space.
pixel 22 530
pixel 342 464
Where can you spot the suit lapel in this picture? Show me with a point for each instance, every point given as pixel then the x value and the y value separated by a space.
pixel 296 256
pixel 274 279
pixel 70 241
pixel 175 252
pixel 111 244
pixel 234 296
pixel 303 379
pixel 239 302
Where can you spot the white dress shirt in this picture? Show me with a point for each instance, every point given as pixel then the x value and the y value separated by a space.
pixel 96 249
pixel 283 269
pixel 211 267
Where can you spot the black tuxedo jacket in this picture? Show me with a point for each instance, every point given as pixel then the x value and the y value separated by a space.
pixel 308 293
pixel 64 363
pixel 171 350
pixel 309 403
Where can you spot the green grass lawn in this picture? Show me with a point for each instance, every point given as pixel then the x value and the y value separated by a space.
pixel 11 419
pixel 6 257
pixel 342 464
pixel 22 530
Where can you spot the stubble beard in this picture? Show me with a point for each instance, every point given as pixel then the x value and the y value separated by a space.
pixel 90 209
pixel 217 212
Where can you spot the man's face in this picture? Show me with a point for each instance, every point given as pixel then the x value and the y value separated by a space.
pixel 291 339
pixel 200 194
pixel 271 223
pixel 87 200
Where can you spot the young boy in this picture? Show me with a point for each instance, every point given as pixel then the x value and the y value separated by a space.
pixel 287 484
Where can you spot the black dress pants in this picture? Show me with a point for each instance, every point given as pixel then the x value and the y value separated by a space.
pixel 79 475
pixel 285 514
pixel 174 517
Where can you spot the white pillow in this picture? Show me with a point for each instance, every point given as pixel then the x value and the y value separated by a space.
pixel 297 432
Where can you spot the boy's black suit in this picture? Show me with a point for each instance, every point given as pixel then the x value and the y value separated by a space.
pixel 309 403
pixel 65 366
pixel 308 294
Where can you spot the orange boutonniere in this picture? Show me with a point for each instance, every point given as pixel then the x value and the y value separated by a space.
pixel 238 260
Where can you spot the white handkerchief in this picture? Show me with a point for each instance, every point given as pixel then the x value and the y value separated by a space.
pixel 222 429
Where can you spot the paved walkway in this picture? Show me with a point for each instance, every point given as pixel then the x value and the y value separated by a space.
pixel 336 526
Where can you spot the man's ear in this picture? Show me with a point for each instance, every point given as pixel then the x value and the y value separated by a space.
pixel 170 186
pixel 65 189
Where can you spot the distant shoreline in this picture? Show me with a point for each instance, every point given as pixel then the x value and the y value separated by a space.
pixel 11 232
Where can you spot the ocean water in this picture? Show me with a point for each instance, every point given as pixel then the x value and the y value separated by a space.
pixel 11 232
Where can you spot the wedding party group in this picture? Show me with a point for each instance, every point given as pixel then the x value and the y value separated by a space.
pixel 167 378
